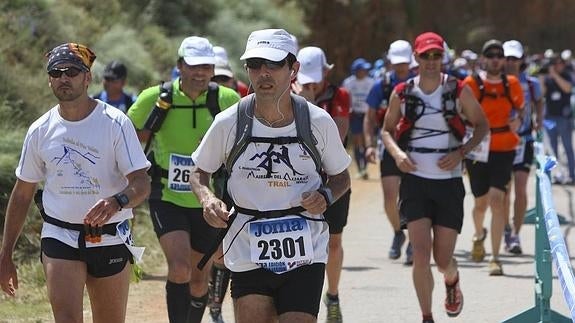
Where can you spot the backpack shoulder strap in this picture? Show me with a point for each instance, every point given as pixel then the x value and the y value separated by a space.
pixel 128 101
pixel 480 85
pixel 506 90
pixel 212 98
pixel 245 116
pixel 303 128
pixel 531 86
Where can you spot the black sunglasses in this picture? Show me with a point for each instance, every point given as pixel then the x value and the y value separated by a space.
pixel 431 55
pixel 257 63
pixel 69 71
pixel 494 55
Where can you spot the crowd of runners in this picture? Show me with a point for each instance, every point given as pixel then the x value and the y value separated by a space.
pixel 250 188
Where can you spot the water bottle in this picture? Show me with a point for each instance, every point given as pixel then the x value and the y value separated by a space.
pixel 159 113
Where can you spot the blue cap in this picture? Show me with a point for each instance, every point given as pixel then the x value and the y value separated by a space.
pixel 360 64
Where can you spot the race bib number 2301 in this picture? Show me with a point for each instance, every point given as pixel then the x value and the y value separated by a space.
pixel 280 244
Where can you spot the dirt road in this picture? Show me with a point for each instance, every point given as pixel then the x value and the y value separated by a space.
pixel 376 289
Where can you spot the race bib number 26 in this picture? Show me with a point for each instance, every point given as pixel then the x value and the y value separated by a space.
pixel 181 167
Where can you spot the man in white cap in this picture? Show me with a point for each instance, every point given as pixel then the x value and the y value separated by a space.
pixel 314 86
pixel 277 238
pixel 399 55
pixel 515 65
pixel 175 212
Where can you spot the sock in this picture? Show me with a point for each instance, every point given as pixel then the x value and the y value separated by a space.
pixel 220 279
pixel 178 301
pixel 196 308
pixel 359 157
pixel 332 298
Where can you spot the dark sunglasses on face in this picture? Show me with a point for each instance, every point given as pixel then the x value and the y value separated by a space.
pixel 69 71
pixel 512 59
pixel 494 55
pixel 257 63
pixel 431 56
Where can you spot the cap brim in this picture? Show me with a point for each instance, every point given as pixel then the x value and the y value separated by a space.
pixel 399 60
pixel 223 71
pixel 428 48
pixel 271 54
pixel 308 78
pixel 512 53
pixel 210 60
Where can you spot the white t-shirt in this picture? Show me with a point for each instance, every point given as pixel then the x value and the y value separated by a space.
pixel 272 178
pixel 80 162
pixel 431 131
pixel 358 90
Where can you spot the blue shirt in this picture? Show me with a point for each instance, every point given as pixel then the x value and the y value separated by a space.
pixel 377 97
pixel 535 87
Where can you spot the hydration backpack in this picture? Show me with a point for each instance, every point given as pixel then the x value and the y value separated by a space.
pixel 415 107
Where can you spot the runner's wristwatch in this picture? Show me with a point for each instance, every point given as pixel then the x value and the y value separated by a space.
pixel 327 194
pixel 122 200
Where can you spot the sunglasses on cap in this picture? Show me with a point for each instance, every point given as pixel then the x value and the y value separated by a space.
pixel 257 63
pixel 69 71
pixel 431 56
pixel 494 55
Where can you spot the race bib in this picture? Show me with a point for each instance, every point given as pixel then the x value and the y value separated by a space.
pixel 520 152
pixel 123 229
pixel 280 245
pixel 481 152
pixel 179 173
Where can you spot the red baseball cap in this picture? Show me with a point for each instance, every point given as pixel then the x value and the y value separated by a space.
pixel 428 41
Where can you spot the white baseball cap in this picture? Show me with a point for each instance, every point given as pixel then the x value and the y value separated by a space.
pixel 399 52
pixel 512 48
pixel 197 51
pixel 223 68
pixel 270 44
pixel 312 64
pixel 469 54
pixel 221 54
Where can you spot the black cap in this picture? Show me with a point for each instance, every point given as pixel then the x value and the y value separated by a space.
pixel 493 43
pixel 115 71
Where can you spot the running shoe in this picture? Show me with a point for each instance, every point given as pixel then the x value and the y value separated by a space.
pixel 398 241
pixel 408 255
pixel 333 310
pixel 453 299
pixel 495 268
pixel 478 251
pixel 507 237
pixel 515 245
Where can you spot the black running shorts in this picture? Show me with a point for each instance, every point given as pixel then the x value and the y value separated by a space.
pixel 101 261
pixel 336 214
pixel 168 217
pixel 387 166
pixel 298 290
pixel 440 200
pixel 525 164
pixel 495 173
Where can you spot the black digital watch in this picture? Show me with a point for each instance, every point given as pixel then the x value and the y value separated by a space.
pixel 122 200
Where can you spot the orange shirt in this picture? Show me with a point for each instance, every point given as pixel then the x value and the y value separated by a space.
pixel 497 109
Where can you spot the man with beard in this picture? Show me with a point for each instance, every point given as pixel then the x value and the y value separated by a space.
pixel 501 98
pixel 88 157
